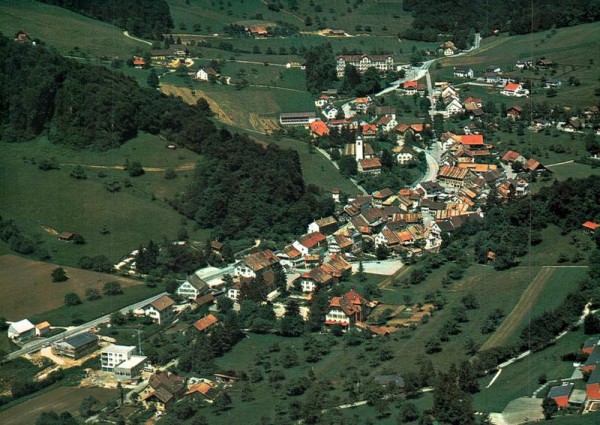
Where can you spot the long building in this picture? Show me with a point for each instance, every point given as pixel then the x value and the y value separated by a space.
pixel 362 62
pixel 297 118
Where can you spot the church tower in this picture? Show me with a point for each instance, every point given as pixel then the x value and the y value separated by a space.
pixel 359 150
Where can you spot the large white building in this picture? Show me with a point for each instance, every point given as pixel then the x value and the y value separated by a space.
pixel 363 62
pixel 120 360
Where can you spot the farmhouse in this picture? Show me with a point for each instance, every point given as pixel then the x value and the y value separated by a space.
pixel 205 74
pixel 193 287
pixel 161 310
pixel 362 62
pixel 76 346
pixel 255 263
pixel 448 48
pixel 297 118
pixel 404 154
pixel 387 123
pixel 316 278
pixel 42 329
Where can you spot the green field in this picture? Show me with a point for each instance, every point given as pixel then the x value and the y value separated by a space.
pixel 383 17
pixel 66 30
pixel 574 49
pixel 45 202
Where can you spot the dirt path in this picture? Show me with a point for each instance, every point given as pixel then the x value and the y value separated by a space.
pixel 520 310
pixel 187 96
pixel 184 167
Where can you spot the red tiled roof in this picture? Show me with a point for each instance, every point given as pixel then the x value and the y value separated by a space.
pixel 472 139
pixel 591 225
pixel 261 260
pixel 139 62
pixel 311 240
pixel 410 84
pixel 370 163
pixel 512 87
pixel 511 156
pixel 319 128
pixel 206 322
pixel 162 303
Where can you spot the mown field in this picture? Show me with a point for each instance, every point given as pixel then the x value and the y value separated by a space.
pixel 45 203
pixel 59 399
pixel 69 32
pixel 574 49
pixel 33 292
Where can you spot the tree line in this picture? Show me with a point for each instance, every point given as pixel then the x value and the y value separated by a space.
pixel 144 18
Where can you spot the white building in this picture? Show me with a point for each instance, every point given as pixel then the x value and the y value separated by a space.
pixel 21 330
pixel 113 355
pixel 161 310
pixel 363 62
pixel 330 112
pixel 193 287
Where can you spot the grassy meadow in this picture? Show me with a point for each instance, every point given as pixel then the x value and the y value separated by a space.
pixel 45 203
pixel 69 32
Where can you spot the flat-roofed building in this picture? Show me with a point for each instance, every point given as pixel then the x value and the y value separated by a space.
pixel 297 118
pixel 76 346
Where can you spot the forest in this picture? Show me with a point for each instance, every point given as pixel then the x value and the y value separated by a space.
pixel 240 187
pixel 144 18
pixel 460 17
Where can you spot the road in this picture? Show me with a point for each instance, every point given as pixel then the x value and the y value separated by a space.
pixel 433 165
pixel 126 34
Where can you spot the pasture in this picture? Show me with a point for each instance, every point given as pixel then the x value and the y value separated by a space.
pixel 69 32
pixel 26 288
pixel 113 224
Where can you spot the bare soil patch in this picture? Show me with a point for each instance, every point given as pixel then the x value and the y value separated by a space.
pixel 26 287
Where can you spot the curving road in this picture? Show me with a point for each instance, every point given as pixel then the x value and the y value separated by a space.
pixel 126 34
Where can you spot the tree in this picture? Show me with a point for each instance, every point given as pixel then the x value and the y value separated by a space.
pixel 71 299
pixel 92 294
pixel 170 173
pixel 59 275
pixel 549 407
pixel 227 253
pixel 112 288
pixel 292 323
pixel 224 304
pixel 86 408
pixel 450 404
pixel 78 172
pixel 117 319
pixel 3 324
pixel 222 402
pixel 152 79
pixel 591 324
pixel 360 274
pixel 408 412
pixel 348 166
pixel 135 169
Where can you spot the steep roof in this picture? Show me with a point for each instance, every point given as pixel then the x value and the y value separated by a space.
pixel 319 128
pixel 512 87
pixel 561 390
pixel 21 326
pixel 206 322
pixel 261 260
pixel 197 282
pixel 162 303
pixel 451 172
pixel 311 240
pixel 591 225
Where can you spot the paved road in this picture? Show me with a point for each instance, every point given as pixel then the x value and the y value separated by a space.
pixel 126 34
pixel 36 345
pixel 433 165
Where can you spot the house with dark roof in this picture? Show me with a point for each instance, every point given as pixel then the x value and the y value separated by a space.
pixel 592 387
pixel 590 344
pixel 161 310
pixel 163 390
pixel 326 226
pixel 561 393
pixel 193 287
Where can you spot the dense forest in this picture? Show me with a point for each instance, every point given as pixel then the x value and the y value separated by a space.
pixel 239 187
pixel 458 18
pixel 144 18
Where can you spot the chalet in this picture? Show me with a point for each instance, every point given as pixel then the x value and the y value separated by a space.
pixel 316 278
pixel 202 300
pixel 515 90
pixel 590 227
pixel 387 123
pixel 21 330
pixel 163 390
pixel 206 74
pixel 380 196
pixel 161 310
pixel 404 154
pixel 193 287
pixel 290 257
pixel 77 346
pixel 326 226
pixel 340 243
pixel 369 166
pixel 206 322
pixel 310 243
pixel 451 176
pixel 561 393
pixel 255 263
pixel 348 309
pixel 330 111
pixel 368 131
pixel 318 129
pixel 297 118
pixel 387 237
pixel 362 62
pixel 533 165
pixel 448 48
pixel 514 112
pixel 463 72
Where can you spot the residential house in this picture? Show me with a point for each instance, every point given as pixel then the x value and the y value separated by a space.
pixel 297 118
pixel 592 387
pixel 369 131
pixel 514 89
pixel 544 63
pixel 255 263
pixel 348 309
pixel 362 62
pixel 139 63
pixel 463 72
pixel 381 196
pixel 404 154
pixel 340 243
pixel 453 107
pixel 474 100
pixel 387 237
pixel 561 393
pixel 524 63
pixel 258 31
pixel 205 389
pixel 290 257
pixel 113 355
pixel 233 292
pixel 42 329
pixel 77 346
pixel 493 78
pixel 410 88
pixel 161 310
pixel 533 165
pixel 206 74
pixel 326 226
pixel 448 48
pixel 493 68
pixel 512 156
pixel 318 129
pixel 361 105
pixel 206 322
pixel 514 112
pixel 387 123
pixel 330 111
pixel 369 166
pixel 163 390
pixel 314 279
pixel 21 330
pixel 322 101
pixel 193 287
pixel 131 368
pixel 310 243
pixel 472 141
pixel 590 227
pixel 553 84
pixel 573 124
